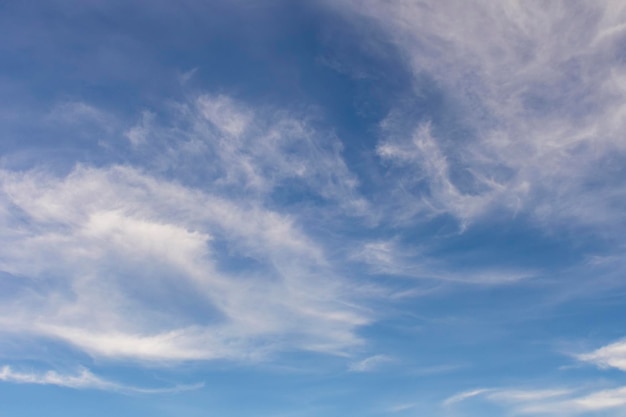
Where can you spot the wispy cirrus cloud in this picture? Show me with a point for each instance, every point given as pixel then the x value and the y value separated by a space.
pixel 399 408
pixel 140 133
pixel 121 264
pixel 393 258
pixel 549 402
pixel 462 396
pixel 84 379
pixel 208 197
pixel 370 363
pixel 538 109
pixel 189 225
pixel 81 114
pixel 589 403
pixel 612 355
pixel 557 401
pixel 218 140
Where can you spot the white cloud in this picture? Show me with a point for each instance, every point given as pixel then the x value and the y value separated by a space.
pixel 187 75
pixel 587 403
pixel 462 396
pixel 225 114
pixel 370 363
pixel 84 379
pixel 515 396
pixel 124 265
pixel 217 140
pixel 509 395
pixel 598 401
pixel 390 257
pixel 443 196
pixel 549 402
pixel 398 408
pixel 609 356
pixel 138 134
pixel 584 399
pixel 539 91
pixel 81 114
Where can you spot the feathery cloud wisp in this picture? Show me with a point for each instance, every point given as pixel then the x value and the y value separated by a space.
pixel 539 103
pixel 549 402
pixel 612 355
pixel 370 363
pixel 84 379
pixel 107 242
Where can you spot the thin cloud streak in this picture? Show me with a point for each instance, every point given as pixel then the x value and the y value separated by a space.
pixel 370 363
pixel 549 402
pixel 399 408
pixel 84 379
pixel 389 257
pixel 462 396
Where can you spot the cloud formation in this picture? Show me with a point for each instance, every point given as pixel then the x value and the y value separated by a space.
pixel 393 258
pixel 84 379
pixel 612 355
pixel 370 363
pixel 548 402
pixel 218 142
pixel 533 109
pixel 444 206
pixel 123 265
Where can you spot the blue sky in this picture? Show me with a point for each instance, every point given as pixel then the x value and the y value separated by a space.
pixel 312 208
